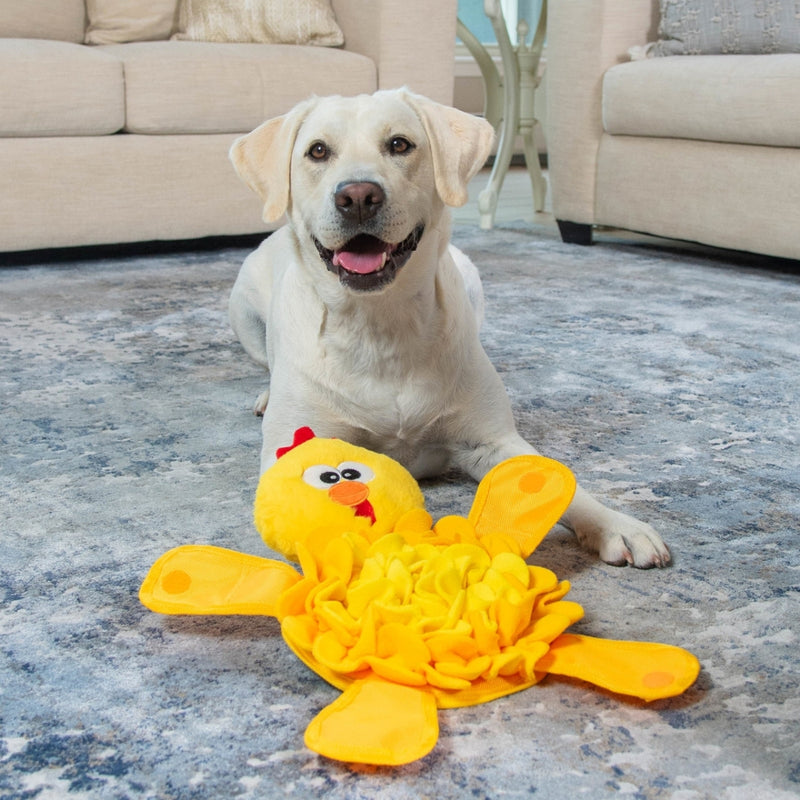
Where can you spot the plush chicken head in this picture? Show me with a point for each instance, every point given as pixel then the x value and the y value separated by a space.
pixel 328 483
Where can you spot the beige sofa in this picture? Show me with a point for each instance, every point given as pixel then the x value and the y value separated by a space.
pixel 128 142
pixel 704 148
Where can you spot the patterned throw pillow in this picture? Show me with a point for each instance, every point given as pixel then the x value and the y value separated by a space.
pixel 705 27
pixel 267 21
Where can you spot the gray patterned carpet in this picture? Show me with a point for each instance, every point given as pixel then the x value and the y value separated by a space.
pixel 667 379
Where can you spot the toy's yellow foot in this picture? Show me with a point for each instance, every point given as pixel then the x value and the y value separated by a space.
pixel 376 722
pixel 640 669
pixel 522 497
pixel 202 579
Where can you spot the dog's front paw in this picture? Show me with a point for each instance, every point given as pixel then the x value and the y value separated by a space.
pixel 261 403
pixel 620 540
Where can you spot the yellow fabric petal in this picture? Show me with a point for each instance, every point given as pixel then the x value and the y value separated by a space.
pixel 441 681
pixel 450 646
pixel 364 593
pixel 495 581
pixel 299 632
pixel 511 618
pixel 330 589
pixel 469 671
pixel 388 545
pixel 454 529
pixel 368 638
pixel 397 640
pixel 486 639
pixel 398 573
pixel 431 607
pixel 371 570
pixel 335 616
pixel 337 561
pixel 391 612
pixel 328 650
pixel 429 624
pixel 448 582
pixel 564 608
pixel 505 663
pixel 456 610
pixel 545 629
pixel 531 655
pixel 508 564
pixel 415 521
pixel 359 545
pixel 479 597
pixel 543 579
pixel 470 559
pixel 546 601
pixel 395 669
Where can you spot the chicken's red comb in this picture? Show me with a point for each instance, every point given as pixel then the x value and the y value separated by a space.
pixel 301 435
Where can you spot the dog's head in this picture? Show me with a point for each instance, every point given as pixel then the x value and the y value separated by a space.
pixel 363 177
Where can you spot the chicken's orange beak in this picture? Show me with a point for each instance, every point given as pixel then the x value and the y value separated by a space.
pixel 353 494
pixel 348 493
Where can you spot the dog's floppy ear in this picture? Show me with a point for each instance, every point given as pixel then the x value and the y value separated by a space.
pixel 263 159
pixel 460 144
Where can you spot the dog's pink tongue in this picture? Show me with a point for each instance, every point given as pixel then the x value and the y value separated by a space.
pixel 360 263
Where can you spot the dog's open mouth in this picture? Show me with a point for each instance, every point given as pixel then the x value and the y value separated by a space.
pixel 366 263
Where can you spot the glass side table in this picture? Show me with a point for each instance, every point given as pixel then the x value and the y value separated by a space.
pixel 509 104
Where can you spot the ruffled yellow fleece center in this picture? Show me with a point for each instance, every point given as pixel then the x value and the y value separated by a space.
pixel 423 606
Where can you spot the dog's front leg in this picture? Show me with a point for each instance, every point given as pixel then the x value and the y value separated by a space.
pixel 248 310
pixel 251 330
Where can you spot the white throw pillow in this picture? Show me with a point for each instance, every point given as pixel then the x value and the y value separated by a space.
pixel 117 21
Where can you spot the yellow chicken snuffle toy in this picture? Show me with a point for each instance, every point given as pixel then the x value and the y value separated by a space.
pixel 402 615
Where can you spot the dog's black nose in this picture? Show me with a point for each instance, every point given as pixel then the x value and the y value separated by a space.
pixel 360 200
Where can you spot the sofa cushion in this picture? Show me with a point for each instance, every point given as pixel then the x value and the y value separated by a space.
pixel 43 19
pixel 747 27
pixel 739 99
pixel 265 21
pixel 114 21
pixel 52 88
pixel 207 87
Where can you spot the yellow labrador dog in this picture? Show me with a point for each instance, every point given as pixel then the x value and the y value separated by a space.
pixel 364 313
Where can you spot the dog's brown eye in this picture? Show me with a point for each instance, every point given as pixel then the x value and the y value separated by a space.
pixel 318 151
pixel 399 145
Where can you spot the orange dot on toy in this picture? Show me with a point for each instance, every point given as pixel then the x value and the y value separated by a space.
pixel 657 680
pixel 176 582
pixel 532 482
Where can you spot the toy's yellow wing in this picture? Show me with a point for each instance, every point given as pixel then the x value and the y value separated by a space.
pixel 640 669
pixel 201 579
pixel 522 497
pixel 376 722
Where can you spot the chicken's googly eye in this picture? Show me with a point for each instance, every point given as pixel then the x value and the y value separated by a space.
pixel 321 476
pixel 354 471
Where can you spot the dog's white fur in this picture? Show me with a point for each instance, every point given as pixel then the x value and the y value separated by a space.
pixel 399 369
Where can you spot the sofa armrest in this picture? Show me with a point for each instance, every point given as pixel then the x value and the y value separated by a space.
pixel 412 42
pixel 584 39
